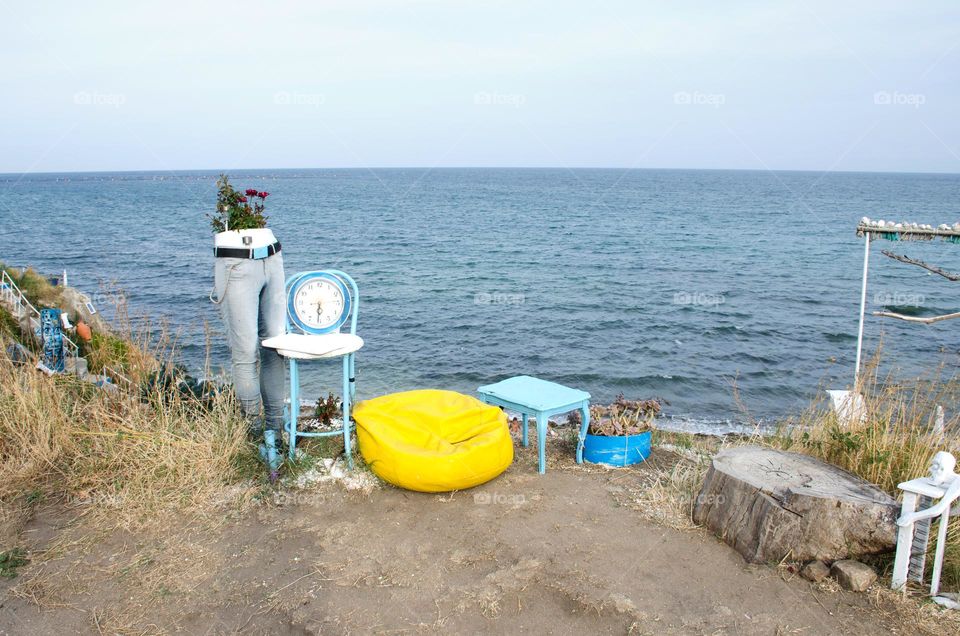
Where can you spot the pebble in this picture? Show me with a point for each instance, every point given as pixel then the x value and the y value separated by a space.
pixel 853 575
pixel 815 571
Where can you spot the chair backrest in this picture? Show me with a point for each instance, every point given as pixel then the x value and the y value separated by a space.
pixel 353 298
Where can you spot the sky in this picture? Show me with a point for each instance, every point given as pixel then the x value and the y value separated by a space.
pixel 826 86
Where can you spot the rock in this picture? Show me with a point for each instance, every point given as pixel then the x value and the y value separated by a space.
pixel 76 366
pixel 771 504
pixel 76 302
pixel 853 575
pixel 815 571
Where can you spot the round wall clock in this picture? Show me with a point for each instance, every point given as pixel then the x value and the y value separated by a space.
pixel 318 302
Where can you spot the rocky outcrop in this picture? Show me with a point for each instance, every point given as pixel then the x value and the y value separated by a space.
pixel 771 504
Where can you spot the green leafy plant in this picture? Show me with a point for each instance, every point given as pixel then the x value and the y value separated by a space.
pixel 236 211
pixel 10 560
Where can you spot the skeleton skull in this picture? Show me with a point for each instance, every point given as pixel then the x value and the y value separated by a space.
pixel 941 469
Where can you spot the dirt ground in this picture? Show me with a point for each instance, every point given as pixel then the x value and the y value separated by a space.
pixel 560 553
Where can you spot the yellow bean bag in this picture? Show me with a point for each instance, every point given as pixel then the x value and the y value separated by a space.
pixel 433 441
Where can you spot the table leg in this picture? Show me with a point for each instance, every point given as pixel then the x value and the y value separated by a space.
pixel 523 425
pixel 585 418
pixel 542 441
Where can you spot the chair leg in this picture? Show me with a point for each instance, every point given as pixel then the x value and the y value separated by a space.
pixel 294 407
pixel 346 411
pixel 585 416
pixel 542 441
pixel 353 377
pixel 523 425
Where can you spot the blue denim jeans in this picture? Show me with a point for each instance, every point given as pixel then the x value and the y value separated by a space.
pixel 252 300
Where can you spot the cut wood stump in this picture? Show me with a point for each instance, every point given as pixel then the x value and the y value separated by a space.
pixel 771 504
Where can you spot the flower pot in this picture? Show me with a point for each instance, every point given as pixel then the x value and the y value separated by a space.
pixel 622 450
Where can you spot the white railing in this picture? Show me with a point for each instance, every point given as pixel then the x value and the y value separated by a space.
pixel 12 295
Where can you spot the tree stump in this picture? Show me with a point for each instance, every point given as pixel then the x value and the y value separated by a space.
pixel 770 504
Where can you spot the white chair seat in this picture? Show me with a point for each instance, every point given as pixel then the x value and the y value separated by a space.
pixel 313 347
pixel 849 407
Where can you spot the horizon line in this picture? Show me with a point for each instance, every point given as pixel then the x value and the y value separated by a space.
pixel 438 168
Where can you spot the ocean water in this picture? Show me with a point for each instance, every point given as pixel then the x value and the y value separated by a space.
pixel 670 283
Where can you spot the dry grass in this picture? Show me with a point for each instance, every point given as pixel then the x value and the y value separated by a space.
pixel 895 442
pixel 64 439
pixel 35 286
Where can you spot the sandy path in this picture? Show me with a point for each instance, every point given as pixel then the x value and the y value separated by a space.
pixel 550 554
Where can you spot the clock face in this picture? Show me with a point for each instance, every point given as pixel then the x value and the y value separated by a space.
pixel 318 302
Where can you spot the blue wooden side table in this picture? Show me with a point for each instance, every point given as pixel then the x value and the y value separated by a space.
pixel 541 399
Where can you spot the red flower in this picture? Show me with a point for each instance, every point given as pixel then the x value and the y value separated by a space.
pixel 243 199
pixel 263 195
pixel 251 192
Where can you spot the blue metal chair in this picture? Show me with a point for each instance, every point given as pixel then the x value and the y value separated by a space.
pixel 299 347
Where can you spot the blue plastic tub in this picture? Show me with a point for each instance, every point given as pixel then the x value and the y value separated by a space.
pixel 617 451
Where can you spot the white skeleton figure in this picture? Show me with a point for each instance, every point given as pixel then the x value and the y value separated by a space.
pixel 941 474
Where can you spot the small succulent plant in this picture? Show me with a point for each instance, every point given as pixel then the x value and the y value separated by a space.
pixel 328 408
pixel 623 417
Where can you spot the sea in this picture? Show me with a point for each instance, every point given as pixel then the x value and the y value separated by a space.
pixel 731 295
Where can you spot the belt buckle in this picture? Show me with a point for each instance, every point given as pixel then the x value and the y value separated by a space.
pixel 261 252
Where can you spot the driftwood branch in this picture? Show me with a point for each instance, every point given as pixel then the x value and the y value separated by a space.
pixel 919 263
pixel 926 321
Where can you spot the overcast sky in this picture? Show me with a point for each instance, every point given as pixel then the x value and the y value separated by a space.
pixel 207 85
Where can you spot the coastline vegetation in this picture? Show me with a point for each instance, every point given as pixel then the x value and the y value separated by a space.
pixel 146 448
pixel 894 442
pixel 154 447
